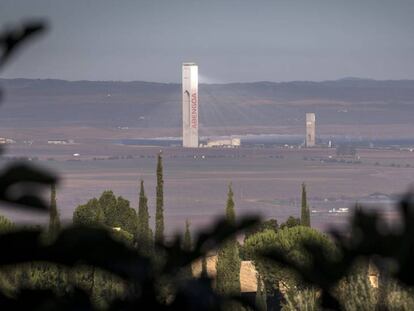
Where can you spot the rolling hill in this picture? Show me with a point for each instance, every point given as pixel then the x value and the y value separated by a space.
pixel 346 102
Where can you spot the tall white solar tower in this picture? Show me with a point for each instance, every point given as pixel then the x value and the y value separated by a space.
pixel 190 105
pixel 310 140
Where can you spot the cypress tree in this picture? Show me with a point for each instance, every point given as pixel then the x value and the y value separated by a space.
pixel 159 213
pixel 357 207
pixel 305 213
pixel 261 302
pixel 228 260
pixel 54 221
pixel 230 213
pixel 187 241
pixel 144 232
pixel 204 269
pixel 49 275
pixel 187 246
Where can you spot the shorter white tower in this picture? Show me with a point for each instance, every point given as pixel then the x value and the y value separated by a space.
pixel 190 105
pixel 310 140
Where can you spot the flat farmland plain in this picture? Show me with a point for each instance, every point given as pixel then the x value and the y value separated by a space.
pixel 266 181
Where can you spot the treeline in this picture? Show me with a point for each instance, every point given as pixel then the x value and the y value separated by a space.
pixel 132 227
pixel 108 212
pixel 363 287
pixel 112 260
pixel 116 214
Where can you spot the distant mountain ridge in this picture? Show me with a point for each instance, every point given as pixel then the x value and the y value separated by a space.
pixel 49 102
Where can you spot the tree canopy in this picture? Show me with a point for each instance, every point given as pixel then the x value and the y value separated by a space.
pixel 290 242
pixel 270 224
pixel 108 210
pixel 290 222
pixel 89 214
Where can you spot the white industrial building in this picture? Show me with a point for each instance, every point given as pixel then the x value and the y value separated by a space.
pixel 4 140
pixel 230 142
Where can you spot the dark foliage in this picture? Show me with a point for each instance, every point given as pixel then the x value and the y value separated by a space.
pixel 290 222
pixel 11 40
pixel 19 183
pixel 369 239
pixel 270 224
pixel 96 247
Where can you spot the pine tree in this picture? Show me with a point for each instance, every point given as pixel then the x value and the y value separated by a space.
pixel 89 214
pixel 228 260
pixel 261 302
pixel 305 213
pixel 159 213
pixel 54 221
pixel 108 204
pixel 144 235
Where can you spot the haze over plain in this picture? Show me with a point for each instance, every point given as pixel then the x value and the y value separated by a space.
pixel 232 41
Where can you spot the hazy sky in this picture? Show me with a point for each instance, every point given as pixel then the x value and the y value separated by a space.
pixel 231 40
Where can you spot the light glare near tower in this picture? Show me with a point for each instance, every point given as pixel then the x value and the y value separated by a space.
pixel 190 105
pixel 310 140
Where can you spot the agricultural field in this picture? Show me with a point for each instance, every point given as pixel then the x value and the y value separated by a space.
pixel 266 181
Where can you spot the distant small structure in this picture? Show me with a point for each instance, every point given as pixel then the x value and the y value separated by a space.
pixel 230 143
pixel 4 141
pixel 340 210
pixel 310 140
pixel 248 273
pixel 60 142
